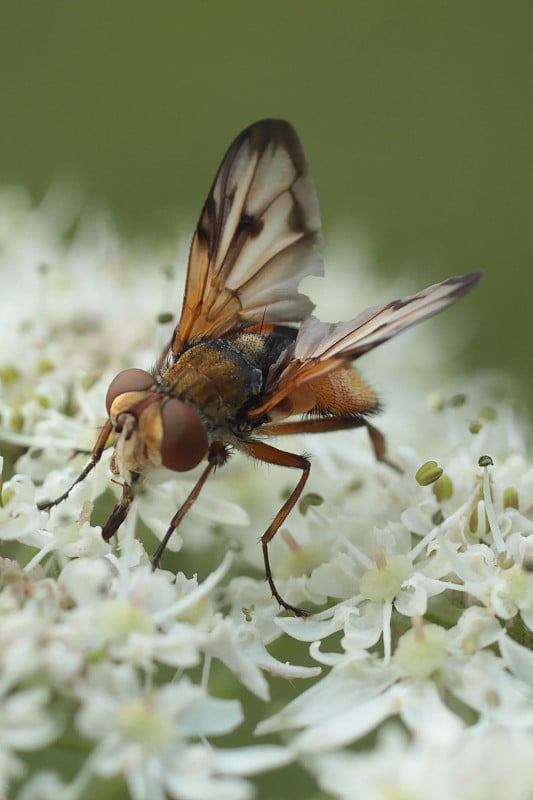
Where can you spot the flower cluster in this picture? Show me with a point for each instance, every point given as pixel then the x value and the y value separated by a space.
pixel 414 666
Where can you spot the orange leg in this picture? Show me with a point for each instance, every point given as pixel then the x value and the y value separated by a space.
pixel 271 455
pixel 265 452
pixel 329 424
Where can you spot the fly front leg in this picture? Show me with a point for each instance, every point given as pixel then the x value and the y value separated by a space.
pixel 96 455
pixel 120 512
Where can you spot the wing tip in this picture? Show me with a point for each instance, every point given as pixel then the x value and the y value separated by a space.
pixel 469 280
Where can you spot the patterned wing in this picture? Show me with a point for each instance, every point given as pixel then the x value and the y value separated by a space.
pixel 321 347
pixel 255 240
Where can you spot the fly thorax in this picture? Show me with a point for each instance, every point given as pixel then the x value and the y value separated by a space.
pixel 214 377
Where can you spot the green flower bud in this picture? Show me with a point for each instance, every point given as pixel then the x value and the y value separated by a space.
pixel 428 473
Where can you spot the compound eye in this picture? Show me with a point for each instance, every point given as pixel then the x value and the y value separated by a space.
pixel 185 440
pixel 129 380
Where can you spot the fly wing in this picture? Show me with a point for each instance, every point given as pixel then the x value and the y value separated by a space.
pixel 321 347
pixel 255 240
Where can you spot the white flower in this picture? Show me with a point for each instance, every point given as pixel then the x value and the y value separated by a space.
pixel 25 724
pixel 144 733
pixel 419 587
pixel 478 764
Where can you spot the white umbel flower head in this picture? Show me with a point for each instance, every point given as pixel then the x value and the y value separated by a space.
pixel 416 659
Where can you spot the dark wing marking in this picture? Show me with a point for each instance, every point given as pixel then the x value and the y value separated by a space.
pixel 255 240
pixel 321 347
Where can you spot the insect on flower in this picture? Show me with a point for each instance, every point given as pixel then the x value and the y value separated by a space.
pixel 235 371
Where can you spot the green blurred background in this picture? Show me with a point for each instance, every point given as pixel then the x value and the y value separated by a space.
pixel 416 116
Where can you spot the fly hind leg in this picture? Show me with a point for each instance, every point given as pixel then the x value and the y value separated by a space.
pixel 329 424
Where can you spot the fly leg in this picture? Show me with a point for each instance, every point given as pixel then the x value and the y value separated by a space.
pixel 217 456
pixel 271 455
pixel 96 455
